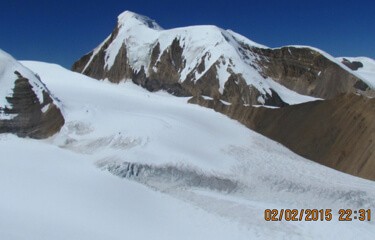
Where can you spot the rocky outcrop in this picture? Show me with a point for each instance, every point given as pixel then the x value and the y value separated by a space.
pixel 338 133
pixel 308 72
pixel 354 65
pixel 29 110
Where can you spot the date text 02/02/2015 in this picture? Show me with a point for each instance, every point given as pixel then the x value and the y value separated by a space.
pixel 316 215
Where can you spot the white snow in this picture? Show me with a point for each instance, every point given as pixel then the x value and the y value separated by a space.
pixel 7 116
pixel 266 106
pixel 222 74
pixel 45 108
pixel 135 31
pixel 207 97
pixel 52 189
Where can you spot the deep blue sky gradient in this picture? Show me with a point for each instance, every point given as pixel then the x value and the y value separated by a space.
pixel 62 31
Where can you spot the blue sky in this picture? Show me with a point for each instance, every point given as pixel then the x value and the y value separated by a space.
pixel 62 31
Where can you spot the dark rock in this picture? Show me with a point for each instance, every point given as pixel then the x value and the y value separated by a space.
pixel 274 99
pixel 355 65
pixel 360 85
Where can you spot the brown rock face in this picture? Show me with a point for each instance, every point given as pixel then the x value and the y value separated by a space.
pixel 307 72
pixel 30 120
pixel 164 73
pixel 97 69
pixel 338 133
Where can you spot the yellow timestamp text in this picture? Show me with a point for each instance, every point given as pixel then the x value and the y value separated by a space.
pixel 309 215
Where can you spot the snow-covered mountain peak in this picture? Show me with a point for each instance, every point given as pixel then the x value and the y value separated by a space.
pixel 210 61
pixel 129 18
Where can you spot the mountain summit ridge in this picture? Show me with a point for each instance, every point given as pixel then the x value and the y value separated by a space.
pixel 127 16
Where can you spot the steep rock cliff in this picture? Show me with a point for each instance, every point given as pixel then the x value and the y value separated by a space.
pixel 27 108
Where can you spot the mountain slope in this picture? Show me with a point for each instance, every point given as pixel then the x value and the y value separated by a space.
pixel 212 173
pixel 26 105
pixel 207 60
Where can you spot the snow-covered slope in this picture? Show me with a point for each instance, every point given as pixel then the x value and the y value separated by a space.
pixel 208 177
pixel 366 71
pixel 51 193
